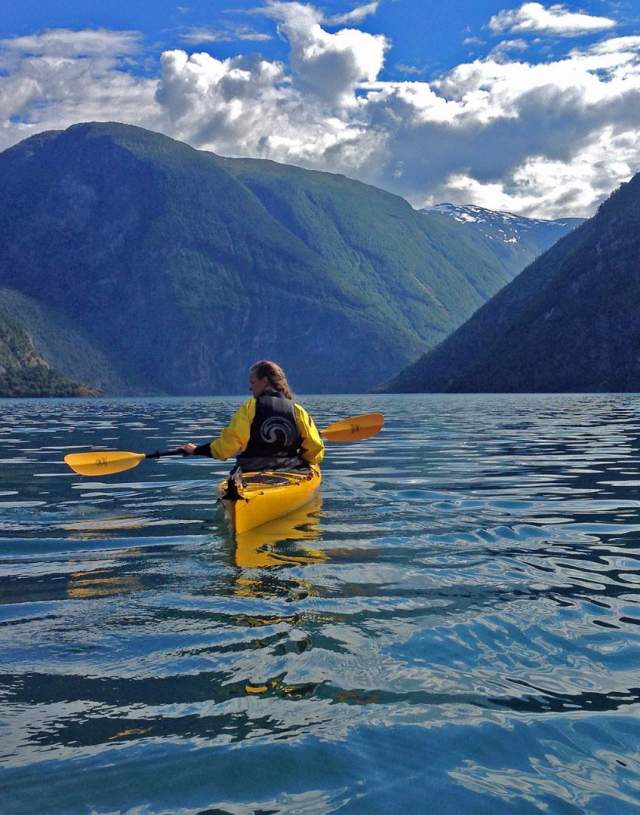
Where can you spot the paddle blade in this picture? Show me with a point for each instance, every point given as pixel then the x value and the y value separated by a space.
pixel 354 428
pixel 103 462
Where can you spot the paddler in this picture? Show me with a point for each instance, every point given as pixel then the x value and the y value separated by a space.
pixel 269 431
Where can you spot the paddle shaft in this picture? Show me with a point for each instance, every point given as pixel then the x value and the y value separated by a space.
pixel 159 453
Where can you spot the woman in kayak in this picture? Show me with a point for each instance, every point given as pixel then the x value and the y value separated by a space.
pixel 269 431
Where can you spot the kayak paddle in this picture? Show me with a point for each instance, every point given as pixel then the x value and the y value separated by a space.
pixel 354 428
pixel 108 462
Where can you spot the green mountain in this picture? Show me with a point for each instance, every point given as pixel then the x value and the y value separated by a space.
pixel 57 340
pixel 569 322
pixel 25 372
pixel 153 267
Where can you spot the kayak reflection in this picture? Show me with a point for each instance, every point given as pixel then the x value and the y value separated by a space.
pixel 88 585
pixel 270 545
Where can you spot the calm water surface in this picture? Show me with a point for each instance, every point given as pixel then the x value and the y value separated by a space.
pixel 452 627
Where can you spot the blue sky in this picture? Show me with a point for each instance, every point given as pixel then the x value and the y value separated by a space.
pixel 529 107
pixel 428 36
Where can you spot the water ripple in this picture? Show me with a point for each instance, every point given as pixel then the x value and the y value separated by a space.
pixel 454 624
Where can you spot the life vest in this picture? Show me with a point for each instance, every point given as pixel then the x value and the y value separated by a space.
pixel 274 440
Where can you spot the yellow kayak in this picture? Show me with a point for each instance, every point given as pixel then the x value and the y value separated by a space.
pixel 257 498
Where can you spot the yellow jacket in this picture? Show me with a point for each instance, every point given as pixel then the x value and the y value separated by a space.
pixel 235 436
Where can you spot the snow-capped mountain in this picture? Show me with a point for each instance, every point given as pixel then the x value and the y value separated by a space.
pixel 507 228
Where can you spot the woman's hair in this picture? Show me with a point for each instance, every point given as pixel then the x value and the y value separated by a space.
pixel 274 373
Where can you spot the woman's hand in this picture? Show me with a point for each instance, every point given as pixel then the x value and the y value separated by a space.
pixel 187 449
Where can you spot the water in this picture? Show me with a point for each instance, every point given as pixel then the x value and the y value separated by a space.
pixel 453 625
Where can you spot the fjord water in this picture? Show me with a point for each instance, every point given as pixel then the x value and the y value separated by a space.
pixel 454 624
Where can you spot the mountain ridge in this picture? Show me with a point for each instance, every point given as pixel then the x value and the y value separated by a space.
pixel 500 224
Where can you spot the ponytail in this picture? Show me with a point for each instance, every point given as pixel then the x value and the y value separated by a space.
pixel 274 373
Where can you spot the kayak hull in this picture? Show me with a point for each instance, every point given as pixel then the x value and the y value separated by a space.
pixel 263 497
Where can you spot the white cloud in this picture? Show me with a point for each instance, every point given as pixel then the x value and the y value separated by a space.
pixel 200 35
pixel 616 45
pixel 545 188
pixel 331 66
pixel 503 48
pixel 410 69
pixel 55 79
pixel 547 138
pixel 556 19
pixel 63 42
pixel 221 102
pixel 248 106
pixel 356 15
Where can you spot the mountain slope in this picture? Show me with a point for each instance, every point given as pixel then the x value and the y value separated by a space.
pixel 179 268
pixel 24 372
pixel 57 340
pixel 567 323
pixel 418 273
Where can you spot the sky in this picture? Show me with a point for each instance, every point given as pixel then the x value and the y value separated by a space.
pixel 531 108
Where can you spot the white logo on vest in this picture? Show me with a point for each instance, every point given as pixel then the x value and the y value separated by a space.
pixel 277 430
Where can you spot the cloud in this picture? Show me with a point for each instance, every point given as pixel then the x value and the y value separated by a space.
pixel 503 48
pixel 616 45
pixel 556 19
pixel 541 138
pixel 512 126
pixel 63 42
pixel 249 106
pixel 410 69
pixel 60 77
pixel 571 187
pixel 496 124
pixel 356 15
pixel 330 66
pixel 228 103
pixel 200 35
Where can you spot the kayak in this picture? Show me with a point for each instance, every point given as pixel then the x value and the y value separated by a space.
pixel 257 498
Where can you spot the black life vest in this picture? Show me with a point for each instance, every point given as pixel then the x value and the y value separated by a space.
pixel 274 441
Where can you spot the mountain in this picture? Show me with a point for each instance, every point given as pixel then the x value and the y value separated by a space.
pixel 58 342
pixel 152 267
pixel 25 372
pixel 515 239
pixel 569 322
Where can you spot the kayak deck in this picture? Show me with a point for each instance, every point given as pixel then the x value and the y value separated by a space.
pixel 265 496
